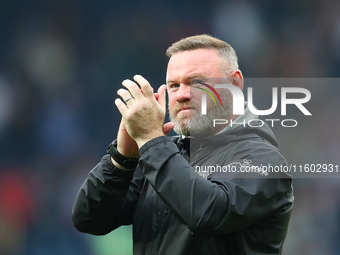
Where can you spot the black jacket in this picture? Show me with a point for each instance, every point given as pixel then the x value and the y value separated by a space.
pixel 176 211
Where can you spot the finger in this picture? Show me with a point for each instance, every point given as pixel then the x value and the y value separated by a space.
pixel 167 127
pixel 145 85
pixel 122 125
pixel 121 106
pixel 133 88
pixel 156 96
pixel 125 94
pixel 161 92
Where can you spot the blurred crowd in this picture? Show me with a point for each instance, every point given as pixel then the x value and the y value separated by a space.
pixel 61 63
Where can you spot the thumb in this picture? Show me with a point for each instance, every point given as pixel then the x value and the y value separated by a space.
pixel 161 97
pixel 167 127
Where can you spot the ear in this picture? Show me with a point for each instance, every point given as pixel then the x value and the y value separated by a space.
pixel 236 78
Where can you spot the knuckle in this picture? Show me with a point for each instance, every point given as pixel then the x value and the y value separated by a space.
pixel 143 105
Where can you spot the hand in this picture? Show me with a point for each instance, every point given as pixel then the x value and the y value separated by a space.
pixel 143 115
pixel 125 144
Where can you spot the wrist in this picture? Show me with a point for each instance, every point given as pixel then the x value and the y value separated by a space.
pixel 120 161
pixel 141 141
pixel 119 166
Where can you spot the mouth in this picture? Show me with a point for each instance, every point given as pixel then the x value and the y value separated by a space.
pixel 186 109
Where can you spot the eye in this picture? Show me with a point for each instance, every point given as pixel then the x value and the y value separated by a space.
pixel 196 83
pixel 173 86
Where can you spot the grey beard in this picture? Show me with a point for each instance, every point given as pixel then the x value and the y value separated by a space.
pixel 202 125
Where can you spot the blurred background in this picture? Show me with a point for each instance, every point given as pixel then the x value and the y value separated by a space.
pixel 61 63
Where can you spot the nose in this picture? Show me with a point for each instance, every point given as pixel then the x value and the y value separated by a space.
pixel 183 93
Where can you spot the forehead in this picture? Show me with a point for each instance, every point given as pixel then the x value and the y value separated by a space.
pixel 200 61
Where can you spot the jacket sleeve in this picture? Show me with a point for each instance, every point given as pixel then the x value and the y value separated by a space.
pixel 107 199
pixel 209 207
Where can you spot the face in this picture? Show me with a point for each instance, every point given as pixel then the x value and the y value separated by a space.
pixel 185 100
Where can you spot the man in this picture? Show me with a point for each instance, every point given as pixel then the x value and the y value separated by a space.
pixel 174 208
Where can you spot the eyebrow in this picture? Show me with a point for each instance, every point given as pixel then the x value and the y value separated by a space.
pixel 189 77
